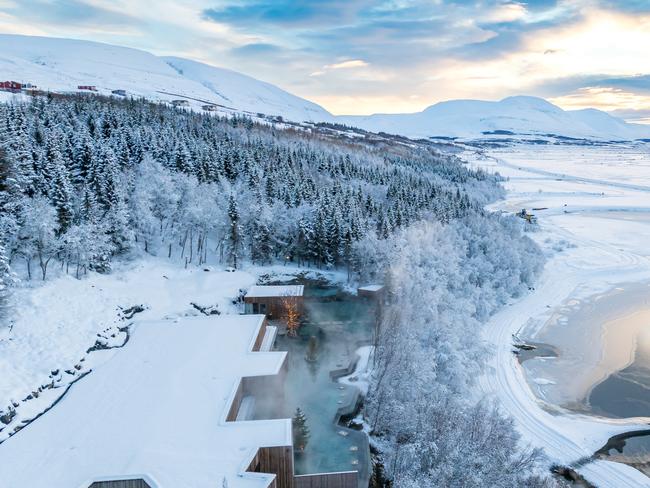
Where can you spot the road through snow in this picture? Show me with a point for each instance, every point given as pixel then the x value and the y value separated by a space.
pixel 579 265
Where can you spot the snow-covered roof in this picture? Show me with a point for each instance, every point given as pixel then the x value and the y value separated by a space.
pixel 267 291
pixel 371 288
pixel 157 409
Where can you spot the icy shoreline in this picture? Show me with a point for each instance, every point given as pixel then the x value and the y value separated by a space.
pixel 586 256
pixel 596 338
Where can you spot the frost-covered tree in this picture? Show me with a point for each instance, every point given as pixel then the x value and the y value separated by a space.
pixel 7 281
pixel 444 281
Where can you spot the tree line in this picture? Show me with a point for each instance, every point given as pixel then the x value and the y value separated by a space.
pixel 88 178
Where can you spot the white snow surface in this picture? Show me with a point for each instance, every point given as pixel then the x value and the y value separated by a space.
pixel 587 255
pixel 248 94
pixel 360 377
pixel 63 64
pixel 371 288
pixel 264 291
pixel 57 321
pixel 157 409
pixel 521 115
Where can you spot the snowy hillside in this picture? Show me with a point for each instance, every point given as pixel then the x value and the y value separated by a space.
pixel 512 115
pixel 239 91
pixel 63 64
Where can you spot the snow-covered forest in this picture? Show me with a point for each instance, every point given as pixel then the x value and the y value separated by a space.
pixel 91 178
pixel 446 280
pixel 88 180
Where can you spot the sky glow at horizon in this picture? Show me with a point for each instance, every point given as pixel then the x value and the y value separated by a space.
pixel 361 57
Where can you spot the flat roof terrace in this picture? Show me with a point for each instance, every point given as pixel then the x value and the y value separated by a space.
pixel 275 291
pixel 156 410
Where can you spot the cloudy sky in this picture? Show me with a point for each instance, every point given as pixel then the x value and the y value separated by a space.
pixel 361 56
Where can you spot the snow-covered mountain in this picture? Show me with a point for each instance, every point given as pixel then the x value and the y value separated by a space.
pixel 512 115
pixel 63 64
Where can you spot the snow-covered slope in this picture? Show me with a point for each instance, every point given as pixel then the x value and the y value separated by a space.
pixel 245 93
pixel 517 115
pixel 63 64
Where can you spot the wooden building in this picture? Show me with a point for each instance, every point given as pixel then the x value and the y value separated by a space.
pixel 12 86
pixel 168 414
pixel 87 87
pixel 274 300
pixel 371 291
pixel 121 93
pixel 180 102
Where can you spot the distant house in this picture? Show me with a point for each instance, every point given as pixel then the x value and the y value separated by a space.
pixel 87 87
pixel 180 103
pixel 210 108
pixel 271 299
pixel 10 86
pixel 121 93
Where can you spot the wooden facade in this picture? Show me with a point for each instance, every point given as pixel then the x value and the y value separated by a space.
pixel 375 292
pixel 277 460
pixel 134 483
pixel 273 307
pixel 347 479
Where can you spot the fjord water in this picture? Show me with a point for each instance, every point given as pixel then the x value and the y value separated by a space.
pixel 603 363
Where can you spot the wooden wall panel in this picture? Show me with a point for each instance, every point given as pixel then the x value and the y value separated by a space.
pixel 348 479
pixel 236 403
pixel 135 483
pixel 275 460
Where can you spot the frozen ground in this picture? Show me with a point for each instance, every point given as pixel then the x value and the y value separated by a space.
pixel 593 196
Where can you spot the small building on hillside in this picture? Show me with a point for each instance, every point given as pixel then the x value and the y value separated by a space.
pixel 120 93
pixel 180 103
pixel 13 86
pixel 371 291
pixel 273 300
pixel 87 87
pixel 210 108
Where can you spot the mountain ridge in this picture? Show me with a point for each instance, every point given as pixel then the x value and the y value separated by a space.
pixel 60 64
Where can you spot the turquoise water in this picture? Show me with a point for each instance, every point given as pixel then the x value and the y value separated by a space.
pixel 341 323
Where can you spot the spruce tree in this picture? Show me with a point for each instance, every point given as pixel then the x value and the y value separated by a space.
pixel 234 232
pixel 300 431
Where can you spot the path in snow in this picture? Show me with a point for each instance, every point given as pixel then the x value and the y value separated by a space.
pixel 591 261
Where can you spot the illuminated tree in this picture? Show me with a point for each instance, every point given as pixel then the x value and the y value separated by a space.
pixel 291 314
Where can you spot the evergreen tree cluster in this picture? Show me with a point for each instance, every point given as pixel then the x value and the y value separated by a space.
pixel 88 177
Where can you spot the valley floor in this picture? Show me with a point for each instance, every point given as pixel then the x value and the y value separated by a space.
pixel 594 228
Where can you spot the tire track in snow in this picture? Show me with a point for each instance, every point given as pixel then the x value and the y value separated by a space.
pixel 566 437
